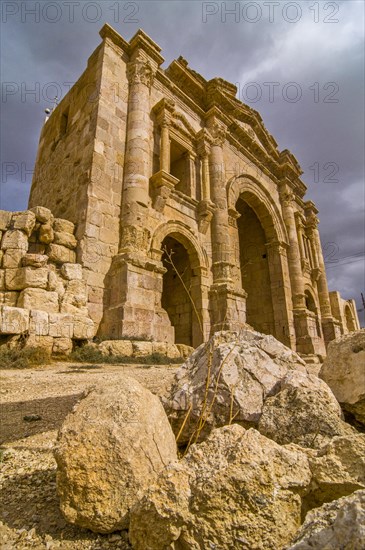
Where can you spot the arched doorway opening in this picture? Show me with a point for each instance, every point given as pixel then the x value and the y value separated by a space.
pixel 310 304
pixel 349 319
pixel 255 269
pixel 177 288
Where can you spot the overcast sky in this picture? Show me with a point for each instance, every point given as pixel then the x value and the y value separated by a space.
pixel 300 64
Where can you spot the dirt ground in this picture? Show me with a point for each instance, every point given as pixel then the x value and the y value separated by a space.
pixel 33 405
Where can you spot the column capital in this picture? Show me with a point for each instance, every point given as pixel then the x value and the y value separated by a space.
pixel 218 131
pixel 140 71
pixel 286 196
pixel 312 221
pixel 203 142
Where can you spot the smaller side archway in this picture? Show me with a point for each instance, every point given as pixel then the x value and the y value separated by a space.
pixel 184 284
pixel 311 305
pixel 350 322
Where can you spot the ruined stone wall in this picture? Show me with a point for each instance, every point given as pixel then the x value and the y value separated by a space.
pixel 43 294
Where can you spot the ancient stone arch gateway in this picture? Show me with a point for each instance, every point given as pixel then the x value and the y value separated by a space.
pixel 189 219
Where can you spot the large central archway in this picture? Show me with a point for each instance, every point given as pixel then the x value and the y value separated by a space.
pixel 255 269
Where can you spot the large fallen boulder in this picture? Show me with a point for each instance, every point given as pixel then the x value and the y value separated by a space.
pixel 338 469
pixel 338 524
pixel 305 416
pixel 226 379
pixel 238 489
pixel 344 371
pixel 109 450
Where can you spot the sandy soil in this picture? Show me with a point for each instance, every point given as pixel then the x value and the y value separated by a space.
pixel 33 404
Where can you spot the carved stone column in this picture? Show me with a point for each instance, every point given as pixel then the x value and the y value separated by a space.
pixel 227 301
pixel 328 324
pixel 206 207
pixel 281 293
pixel 307 341
pixel 134 282
pixel 135 197
pixel 295 270
pixel 222 253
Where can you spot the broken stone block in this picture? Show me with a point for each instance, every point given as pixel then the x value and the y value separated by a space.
pixel 12 258
pixel 46 233
pixel 39 341
pixel 76 293
pixel 72 271
pixel 74 309
pixel 61 325
pixel 24 277
pixel 5 218
pixel 60 254
pixel 117 347
pixel 13 320
pixel 63 226
pixel 37 298
pixel 2 279
pixel 65 239
pixel 9 298
pixel 62 346
pixel 39 322
pixel 34 260
pixel 55 283
pixel 42 214
pixel 160 348
pixel 83 328
pixel 15 239
pixel 141 349
pixel 25 221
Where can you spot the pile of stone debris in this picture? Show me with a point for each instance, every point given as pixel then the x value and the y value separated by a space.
pixel 248 451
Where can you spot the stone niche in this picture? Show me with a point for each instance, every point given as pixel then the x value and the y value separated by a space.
pixel 43 295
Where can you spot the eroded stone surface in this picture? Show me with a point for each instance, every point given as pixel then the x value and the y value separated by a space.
pixel 237 489
pixel 344 371
pixel 110 449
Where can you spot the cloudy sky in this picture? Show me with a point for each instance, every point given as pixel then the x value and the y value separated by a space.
pixel 300 64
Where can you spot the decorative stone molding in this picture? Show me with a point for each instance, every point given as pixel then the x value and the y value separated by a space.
pixel 205 212
pixel 233 216
pixel 135 238
pixel 162 183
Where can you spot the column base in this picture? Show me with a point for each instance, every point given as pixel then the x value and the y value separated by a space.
pixel 135 287
pixel 331 329
pixel 227 308
pixel 309 340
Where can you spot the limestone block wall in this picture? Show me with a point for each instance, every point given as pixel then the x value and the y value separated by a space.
pixel 43 295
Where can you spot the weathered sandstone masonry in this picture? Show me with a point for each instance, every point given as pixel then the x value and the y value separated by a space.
pixel 162 172
pixel 43 296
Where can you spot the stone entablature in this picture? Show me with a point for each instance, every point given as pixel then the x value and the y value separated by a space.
pixel 166 164
pixel 43 295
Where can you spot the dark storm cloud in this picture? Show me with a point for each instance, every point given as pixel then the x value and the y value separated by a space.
pixel 308 44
